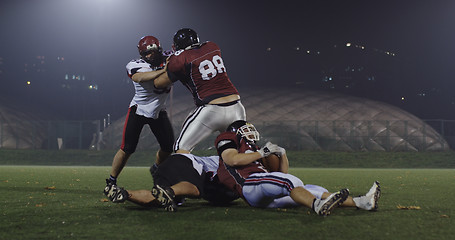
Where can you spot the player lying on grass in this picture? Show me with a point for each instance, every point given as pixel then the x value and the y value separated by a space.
pixel 181 175
pixel 241 170
pixel 260 189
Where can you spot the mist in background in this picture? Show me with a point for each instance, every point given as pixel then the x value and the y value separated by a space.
pixel 67 58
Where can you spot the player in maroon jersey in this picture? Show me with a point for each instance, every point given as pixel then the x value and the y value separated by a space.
pixel 146 108
pixel 240 169
pixel 201 69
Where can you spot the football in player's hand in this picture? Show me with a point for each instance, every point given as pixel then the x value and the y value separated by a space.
pixel 271 163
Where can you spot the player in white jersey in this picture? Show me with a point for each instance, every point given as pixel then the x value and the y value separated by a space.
pixel 146 107
pixel 181 175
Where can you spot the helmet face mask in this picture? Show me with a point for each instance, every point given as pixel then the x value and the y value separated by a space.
pixel 155 58
pixel 244 130
pixel 249 132
pixel 150 50
pixel 184 38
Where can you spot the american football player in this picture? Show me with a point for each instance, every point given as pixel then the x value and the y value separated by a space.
pixel 200 68
pixel 181 175
pixel 241 170
pixel 146 107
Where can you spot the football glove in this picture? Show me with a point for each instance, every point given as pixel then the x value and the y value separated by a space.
pixel 268 149
pixel 281 152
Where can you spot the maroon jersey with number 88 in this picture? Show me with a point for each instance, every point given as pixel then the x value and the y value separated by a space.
pixel 202 71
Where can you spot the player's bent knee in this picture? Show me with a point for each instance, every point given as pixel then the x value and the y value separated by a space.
pixel 128 149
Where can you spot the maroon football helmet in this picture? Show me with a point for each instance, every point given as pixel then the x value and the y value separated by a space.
pixel 150 45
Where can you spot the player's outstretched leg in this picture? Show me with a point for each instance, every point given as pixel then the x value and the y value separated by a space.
pixel 166 196
pixel 324 207
pixel 370 200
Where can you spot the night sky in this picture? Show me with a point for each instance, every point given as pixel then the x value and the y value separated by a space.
pixel 98 37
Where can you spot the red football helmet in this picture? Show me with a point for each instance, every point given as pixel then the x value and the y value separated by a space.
pixel 151 45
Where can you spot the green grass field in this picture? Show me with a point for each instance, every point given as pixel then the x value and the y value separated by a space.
pixel 63 202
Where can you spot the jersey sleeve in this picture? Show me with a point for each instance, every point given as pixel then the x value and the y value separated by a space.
pixel 137 65
pixel 176 67
pixel 224 141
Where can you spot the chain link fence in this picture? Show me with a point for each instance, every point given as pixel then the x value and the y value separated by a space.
pixel 50 134
pixel 293 135
pixel 385 135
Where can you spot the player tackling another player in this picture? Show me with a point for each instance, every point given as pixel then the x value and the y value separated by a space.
pixel 241 171
pixel 238 170
pixel 200 68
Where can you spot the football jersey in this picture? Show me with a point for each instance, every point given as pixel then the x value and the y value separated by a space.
pixel 234 177
pixel 202 71
pixel 149 99
pixel 203 164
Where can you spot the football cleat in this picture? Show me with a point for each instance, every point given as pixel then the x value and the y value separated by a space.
pixel 109 187
pixel 114 193
pixel 120 196
pixel 324 207
pixel 166 197
pixel 370 200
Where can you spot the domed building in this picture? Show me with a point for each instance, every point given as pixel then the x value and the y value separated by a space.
pixel 312 120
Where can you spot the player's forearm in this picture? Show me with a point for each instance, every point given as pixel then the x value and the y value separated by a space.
pixel 162 81
pixel 147 76
pixel 234 158
pixel 284 164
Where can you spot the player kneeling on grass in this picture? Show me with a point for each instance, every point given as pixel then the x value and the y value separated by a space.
pixel 180 176
pixel 242 171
